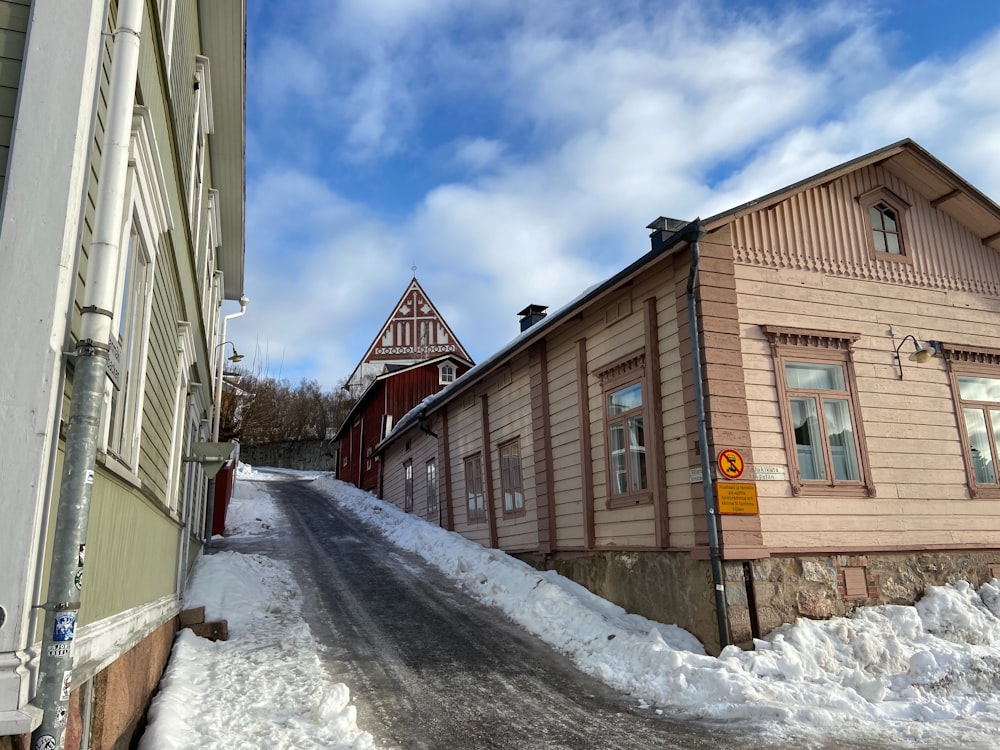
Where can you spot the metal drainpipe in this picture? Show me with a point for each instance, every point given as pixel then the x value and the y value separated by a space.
pixel 697 232
pixel 91 358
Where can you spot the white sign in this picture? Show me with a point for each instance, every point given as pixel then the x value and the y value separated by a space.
pixel 769 473
pixel 114 366
pixel 760 474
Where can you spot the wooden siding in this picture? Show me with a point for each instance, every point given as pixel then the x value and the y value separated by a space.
pixel 823 230
pixel 805 263
pixel 132 550
pixel 13 29
pixel 510 416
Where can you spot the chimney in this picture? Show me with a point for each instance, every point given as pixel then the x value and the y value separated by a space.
pixel 531 315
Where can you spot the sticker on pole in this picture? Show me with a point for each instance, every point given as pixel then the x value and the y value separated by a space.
pixel 731 464
pixel 67 685
pixel 65 626
pixel 60 650
pixel 45 742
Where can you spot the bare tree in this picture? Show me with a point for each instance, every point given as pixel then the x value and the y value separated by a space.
pixel 258 410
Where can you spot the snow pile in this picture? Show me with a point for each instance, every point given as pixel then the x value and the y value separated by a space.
pixel 890 674
pixel 265 686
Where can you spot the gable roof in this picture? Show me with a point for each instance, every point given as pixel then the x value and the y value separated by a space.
pixel 413 332
pixel 946 190
pixel 392 371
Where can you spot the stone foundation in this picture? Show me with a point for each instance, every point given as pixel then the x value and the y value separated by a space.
pixel 786 588
pixel 675 588
pixel 669 587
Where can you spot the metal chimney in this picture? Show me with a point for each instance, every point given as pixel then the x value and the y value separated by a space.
pixel 531 315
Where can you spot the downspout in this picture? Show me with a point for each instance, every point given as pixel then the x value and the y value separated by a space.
pixel 220 350
pixel 91 359
pixel 697 231
pixel 220 359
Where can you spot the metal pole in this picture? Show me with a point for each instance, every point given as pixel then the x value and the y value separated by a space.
pixel 706 468
pixel 55 680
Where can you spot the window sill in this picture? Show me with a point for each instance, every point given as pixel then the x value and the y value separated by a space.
pixel 511 514
pixel 629 501
pixel 837 490
pixel 116 467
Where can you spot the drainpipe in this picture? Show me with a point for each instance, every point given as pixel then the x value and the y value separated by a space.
pixel 91 358
pixel 696 233
pixel 220 350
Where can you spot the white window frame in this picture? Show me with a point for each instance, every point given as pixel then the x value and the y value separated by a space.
pixel 178 441
pixel 167 14
pixel 204 125
pixel 446 373
pixel 147 218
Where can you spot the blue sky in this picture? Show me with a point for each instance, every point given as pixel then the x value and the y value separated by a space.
pixel 515 150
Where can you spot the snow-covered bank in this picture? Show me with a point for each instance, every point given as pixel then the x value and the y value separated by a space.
pixel 926 676
pixel 265 686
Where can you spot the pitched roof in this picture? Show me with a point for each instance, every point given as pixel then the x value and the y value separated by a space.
pixel 413 332
pixel 948 192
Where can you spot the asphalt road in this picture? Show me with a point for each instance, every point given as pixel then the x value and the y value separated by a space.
pixel 430 667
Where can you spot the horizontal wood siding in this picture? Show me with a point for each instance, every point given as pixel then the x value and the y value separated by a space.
pixel 510 417
pixel 465 437
pixel 805 263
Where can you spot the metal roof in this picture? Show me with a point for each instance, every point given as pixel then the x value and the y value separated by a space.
pixel 223 33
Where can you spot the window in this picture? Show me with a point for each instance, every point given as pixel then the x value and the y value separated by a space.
pixel 147 218
pixel 510 478
pixel 885 229
pixel 474 489
pixel 203 126
pixel 625 422
pixel 446 373
pixel 885 214
pixel 130 333
pixel 626 441
pixel 979 399
pixel 408 486
pixel 432 488
pixel 821 424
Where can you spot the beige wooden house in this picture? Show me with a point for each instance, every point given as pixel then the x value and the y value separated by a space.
pixel 848 337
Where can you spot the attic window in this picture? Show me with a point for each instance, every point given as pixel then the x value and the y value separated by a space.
pixel 885 216
pixel 885 229
pixel 446 373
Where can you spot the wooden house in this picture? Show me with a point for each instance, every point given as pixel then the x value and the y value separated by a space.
pixel 823 436
pixel 389 397
pixel 415 331
pixel 414 355
pixel 122 148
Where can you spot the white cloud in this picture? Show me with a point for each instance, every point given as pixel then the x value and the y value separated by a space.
pixel 599 119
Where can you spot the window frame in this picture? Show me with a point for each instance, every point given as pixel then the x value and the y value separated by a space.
pixel 474 488
pixel 408 485
pixel 511 478
pixel 447 373
pixel 870 200
pixel 793 345
pixel 625 373
pixel 431 488
pixel 982 363
pixel 146 218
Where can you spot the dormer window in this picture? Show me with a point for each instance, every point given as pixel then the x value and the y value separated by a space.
pixel 885 229
pixel 446 373
pixel 885 214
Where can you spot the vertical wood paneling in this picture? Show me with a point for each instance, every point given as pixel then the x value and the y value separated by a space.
pixel 822 229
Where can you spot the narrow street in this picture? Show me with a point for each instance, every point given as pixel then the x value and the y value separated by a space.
pixel 429 667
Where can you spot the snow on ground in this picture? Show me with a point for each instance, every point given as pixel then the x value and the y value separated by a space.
pixel 926 676
pixel 265 687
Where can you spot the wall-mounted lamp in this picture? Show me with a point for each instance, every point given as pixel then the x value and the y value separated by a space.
pixel 236 356
pixel 920 354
